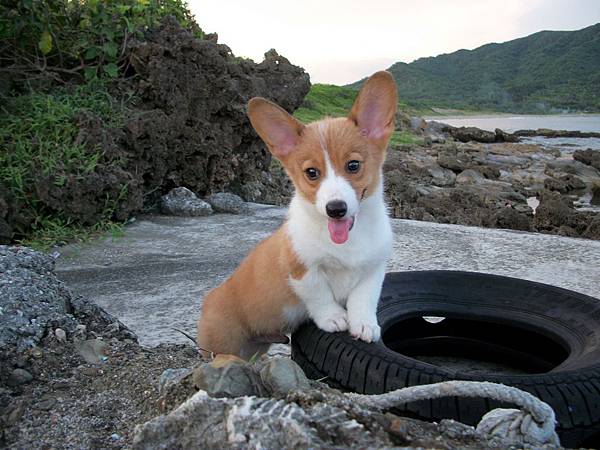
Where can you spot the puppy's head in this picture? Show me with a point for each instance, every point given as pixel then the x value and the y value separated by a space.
pixel 334 163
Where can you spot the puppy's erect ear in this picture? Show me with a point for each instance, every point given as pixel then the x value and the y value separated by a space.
pixel 280 131
pixel 375 106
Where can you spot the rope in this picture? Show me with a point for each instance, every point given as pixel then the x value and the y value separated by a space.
pixel 534 425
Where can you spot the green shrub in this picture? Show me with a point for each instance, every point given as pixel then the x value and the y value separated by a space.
pixel 60 58
pixel 79 38
pixel 38 136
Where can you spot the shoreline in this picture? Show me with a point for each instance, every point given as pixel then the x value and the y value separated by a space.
pixel 546 125
pixel 490 115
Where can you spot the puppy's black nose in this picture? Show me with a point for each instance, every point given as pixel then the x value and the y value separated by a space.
pixel 336 209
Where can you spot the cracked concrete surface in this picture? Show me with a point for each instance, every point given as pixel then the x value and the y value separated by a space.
pixel 153 278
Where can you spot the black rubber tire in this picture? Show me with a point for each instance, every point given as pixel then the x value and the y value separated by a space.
pixel 569 319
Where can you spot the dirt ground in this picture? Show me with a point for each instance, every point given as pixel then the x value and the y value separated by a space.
pixel 72 404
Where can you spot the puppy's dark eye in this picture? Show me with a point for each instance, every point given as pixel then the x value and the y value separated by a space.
pixel 353 166
pixel 312 173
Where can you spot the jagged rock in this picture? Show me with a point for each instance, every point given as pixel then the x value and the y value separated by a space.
pixel 470 176
pixel 466 134
pixel 572 182
pixel 417 125
pixel 503 136
pixel 589 157
pixel 319 417
pixel 19 377
pixel 595 200
pixel 565 183
pixel 490 178
pixel 472 134
pixel 512 219
pixel 225 202
pixel 454 160
pixel 84 197
pixel 194 130
pixel 233 378
pixel 282 375
pixel 31 298
pixel 441 176
pixel 593 229
pixel 33 303
pixel 552 184
pixel 188 127
pixel 183 202
pixel 557 212
pixel 557 133
pixel 436 132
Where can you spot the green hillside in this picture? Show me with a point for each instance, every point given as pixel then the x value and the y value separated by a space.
pixel 328 100
pixel 549 71
pixel 325 100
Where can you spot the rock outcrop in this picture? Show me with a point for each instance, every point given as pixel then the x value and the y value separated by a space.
pixel 489 185
pixel 188 127
pixel 545 132
pixel 589 157
pixel 192 129
pixel 313 418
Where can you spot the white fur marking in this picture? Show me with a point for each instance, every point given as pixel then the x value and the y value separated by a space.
pixel 334 186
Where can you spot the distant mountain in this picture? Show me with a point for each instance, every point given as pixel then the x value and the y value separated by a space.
pixel 549 71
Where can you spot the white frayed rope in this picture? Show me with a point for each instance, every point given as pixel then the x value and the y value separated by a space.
pixel 534 424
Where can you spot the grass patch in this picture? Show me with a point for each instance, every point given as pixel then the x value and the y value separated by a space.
pixel 405 138
pixel 53 231
pixel 39 137
pixel 325 100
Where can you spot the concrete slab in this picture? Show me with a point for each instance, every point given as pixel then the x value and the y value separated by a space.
pixel 153 278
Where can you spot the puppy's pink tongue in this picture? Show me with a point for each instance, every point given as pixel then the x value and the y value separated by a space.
pixel 339 229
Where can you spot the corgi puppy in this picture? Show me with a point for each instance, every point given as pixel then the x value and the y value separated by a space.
pixel 327 261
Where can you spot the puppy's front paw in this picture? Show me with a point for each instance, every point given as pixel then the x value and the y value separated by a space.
pixel 365 331
pixel 337 321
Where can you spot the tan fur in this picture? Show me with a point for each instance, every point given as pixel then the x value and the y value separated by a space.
pixel 251 303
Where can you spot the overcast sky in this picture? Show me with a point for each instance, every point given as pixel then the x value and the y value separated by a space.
pixel 341 41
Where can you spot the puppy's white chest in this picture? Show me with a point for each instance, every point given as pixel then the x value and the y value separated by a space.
pixel 341 280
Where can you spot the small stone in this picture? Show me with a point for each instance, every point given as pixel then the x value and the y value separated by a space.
pixel 89 371
pixel 62 384
pixel 470 176
pixel 19 377
pixel 229 379
pixel 441 176
pixel 226 202
pixel 183 202
pixel 115 437
pixel 37 353
pixel 169 377
pixel 45 405
pixel 15 415
pixel 282 375
pixel 60 334
pixel 94 351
